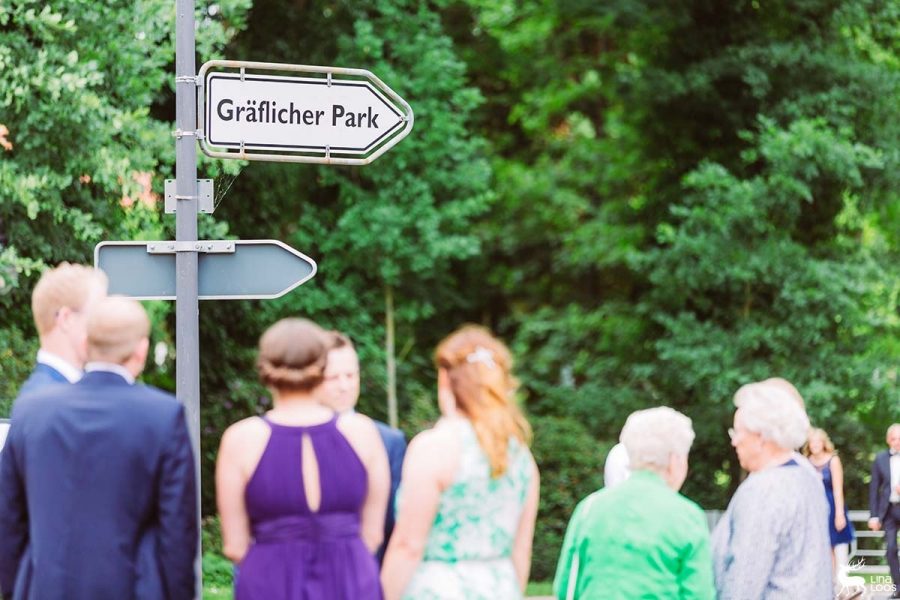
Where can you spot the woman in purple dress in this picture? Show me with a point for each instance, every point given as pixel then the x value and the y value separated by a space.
pixel 301 491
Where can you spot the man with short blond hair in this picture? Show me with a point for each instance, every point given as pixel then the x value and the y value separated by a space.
pixel 60 303
pixel 97 481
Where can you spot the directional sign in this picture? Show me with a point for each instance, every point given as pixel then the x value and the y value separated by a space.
pixel 228 269
pixel 338 115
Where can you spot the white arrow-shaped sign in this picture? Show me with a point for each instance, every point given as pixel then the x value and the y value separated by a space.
pixel 348 116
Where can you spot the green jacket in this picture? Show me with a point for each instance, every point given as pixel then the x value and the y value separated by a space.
pixel 638 539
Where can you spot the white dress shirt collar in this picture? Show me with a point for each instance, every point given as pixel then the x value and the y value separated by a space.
pixel 894 462
pixel 110 368
pixel 66 369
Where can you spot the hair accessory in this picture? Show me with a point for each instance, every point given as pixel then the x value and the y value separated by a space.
pixel 482 355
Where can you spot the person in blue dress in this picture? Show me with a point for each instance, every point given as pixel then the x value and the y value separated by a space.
pixel 820 451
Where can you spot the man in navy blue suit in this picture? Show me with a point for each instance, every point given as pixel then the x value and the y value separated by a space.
pixel 884 500
pixel 60 303
pixel 341 390
pixel 97 482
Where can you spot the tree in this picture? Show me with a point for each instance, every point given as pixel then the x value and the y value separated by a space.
pixel 83 155
pixel 773 257
pixel 691 196
pixel 384 235
pixel 739 297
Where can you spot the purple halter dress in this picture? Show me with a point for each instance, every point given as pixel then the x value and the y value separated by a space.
pixel 298 554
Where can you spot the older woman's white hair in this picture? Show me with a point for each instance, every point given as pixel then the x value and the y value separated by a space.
pixel 651 436
pixel 772 413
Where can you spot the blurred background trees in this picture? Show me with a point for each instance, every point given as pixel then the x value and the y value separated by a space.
pixel 653 203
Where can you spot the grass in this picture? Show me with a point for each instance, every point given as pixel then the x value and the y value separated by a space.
pixel 539 588
pixel 217 572
pixel 215 592
pixel 213 589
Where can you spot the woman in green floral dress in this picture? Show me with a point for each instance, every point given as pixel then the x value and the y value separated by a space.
pixel 469 492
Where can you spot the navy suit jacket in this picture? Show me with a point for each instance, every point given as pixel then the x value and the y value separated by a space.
pixel 395 444
pixel 880 486
pixel 42 376
pixel 97 494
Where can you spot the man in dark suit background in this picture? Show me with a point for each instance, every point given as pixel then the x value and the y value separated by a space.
pixel 884 500
pixel 59 304
pixel 341 394
pixel 97 481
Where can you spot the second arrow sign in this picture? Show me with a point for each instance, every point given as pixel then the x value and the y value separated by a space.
pixel 228 269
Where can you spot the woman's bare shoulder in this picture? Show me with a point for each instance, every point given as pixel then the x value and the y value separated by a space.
pixel 357 425
pixel 436 437
pixel 362 434
pixel 436 450
pixel 245 430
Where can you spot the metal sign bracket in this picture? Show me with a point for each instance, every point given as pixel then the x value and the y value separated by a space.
pixel 208 247
pixel 204 198
pixel 188 79
pixel 179 133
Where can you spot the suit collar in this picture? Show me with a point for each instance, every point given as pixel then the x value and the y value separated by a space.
pixel 58 364
pixel 48 371
pixel 884 457
pixel 102 377
pixel 110 368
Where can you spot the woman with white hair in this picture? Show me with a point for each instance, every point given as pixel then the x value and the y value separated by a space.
pixel 772 541
pixel 640 538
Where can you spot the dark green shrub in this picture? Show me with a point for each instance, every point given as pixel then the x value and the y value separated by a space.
pixel 16 362
pixel 571 465
pixel 217 571
pixel 211 535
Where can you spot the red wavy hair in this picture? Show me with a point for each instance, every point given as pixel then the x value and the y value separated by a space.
pixel 479 367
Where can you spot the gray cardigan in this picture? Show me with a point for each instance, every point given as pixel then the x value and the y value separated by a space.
pixel 772 542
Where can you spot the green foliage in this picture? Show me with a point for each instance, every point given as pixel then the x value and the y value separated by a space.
pixel 211 535
pixel 395 226
pixel 571 465
pixel 17 357
pixel 691 196
pixel 217 570
pixel 218 573
pixel 769 261
pixel 653 202
pixel 82 157
pixel 743 292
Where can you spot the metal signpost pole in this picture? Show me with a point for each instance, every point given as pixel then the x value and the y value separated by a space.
pixel 187 326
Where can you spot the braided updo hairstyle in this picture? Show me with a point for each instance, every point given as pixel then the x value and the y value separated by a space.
pixel 479 367
pixel 292 355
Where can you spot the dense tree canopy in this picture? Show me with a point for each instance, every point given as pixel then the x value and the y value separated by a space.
pixel 82 157
pixel 653 203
